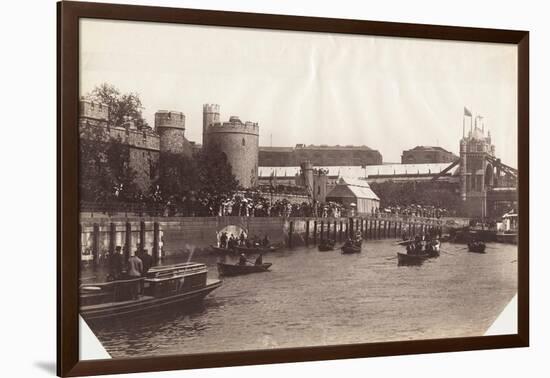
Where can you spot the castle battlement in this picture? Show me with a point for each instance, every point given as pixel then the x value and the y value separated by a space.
pixel 211 108
pixel 94 110
pixel 145 139
pixel 251 128
pixel 169 118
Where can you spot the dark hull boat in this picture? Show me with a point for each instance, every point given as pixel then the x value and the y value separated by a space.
pixel 166 286
pixel 349 249
pixel 237 270
pixel 476 247
pixel 406 259
pixel 326 246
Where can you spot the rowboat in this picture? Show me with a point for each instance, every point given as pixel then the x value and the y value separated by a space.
pixel 476 247
pixel 326 246
pixel 406 259
pixel 177 285
pixel 237 270
pixel 349 249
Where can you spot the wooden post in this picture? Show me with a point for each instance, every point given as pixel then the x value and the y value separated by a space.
pixel 128 243
pixel 341 231
pixel 370 229
pixel 112 238
pixel 334 231
pixel 156 242
pixel 141 236
pixel 400 229
pixel 290 232
pixel 95 245
pixel 307 232
pixel 395 229
pixel 322 231
pixel 314 232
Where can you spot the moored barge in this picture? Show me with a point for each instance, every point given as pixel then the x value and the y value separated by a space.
pixel 162 287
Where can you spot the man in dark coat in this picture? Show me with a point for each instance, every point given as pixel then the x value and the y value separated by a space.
pixel 116 264
pixel 147 261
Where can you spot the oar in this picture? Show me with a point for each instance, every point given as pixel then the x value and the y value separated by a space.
pixel 452 254
pixel 392 258
pixel 513 261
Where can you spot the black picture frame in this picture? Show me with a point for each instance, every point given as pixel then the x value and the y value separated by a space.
pixel 69 13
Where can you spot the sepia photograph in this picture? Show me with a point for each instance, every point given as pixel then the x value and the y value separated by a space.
pixel 248 189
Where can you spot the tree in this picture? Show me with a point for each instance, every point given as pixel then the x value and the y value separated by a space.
pixel 122 106
pixel 94 177
pixel 105 173
pixel 216 180
pixel 177 176
pixel 121 175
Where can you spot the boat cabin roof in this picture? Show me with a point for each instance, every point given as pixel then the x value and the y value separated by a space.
pixel 160 273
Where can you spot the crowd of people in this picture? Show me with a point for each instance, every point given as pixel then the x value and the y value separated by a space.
pixel 137 265
pixel 231 241
pixel 263 202
pixel 425 211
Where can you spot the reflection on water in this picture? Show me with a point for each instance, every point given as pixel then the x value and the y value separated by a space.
pixel 326 298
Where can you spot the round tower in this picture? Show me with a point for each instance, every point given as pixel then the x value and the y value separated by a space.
pixel 170 126
pixel 239 141
pixel 307 171
pixel 210 115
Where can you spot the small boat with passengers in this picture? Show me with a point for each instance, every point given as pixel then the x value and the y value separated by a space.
pixel 476 247
pixel 352 246
pixel 326 245
pixel 411 259
pixel 175 285
pixel 226 270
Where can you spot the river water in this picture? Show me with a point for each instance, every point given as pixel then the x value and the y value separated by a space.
pixel 313 298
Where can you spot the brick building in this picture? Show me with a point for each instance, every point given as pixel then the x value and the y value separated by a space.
pixel 427 155
pixel 322 155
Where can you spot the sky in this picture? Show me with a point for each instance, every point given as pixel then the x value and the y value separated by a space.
pixel 390 94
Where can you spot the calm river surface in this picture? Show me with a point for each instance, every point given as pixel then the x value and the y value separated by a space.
pixel 325 298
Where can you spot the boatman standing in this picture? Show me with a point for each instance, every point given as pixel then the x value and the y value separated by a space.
pixel 135 266
pixel 135 269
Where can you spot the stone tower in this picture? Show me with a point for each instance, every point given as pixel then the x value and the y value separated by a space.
pixel 94 113
pixel 476 171
pixel 170 126
pixel 238 140
pixel 210 115
pixel 307 171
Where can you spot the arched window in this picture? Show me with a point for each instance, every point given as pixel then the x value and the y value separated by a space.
pixel 243 142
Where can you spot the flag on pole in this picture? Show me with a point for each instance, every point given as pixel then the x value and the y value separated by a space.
pixel 467 112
